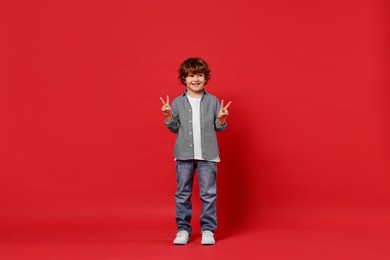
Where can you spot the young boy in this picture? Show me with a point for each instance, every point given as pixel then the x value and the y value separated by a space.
pixel 195 116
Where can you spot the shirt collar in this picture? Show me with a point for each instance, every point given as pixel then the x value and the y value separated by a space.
pixel 203 93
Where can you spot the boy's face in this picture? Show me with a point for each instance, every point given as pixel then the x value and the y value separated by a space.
pixel 195 82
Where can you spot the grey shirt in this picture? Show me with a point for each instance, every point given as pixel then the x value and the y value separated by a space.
pixel 181 124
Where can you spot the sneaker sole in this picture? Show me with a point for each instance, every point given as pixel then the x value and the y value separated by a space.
pixel 181 244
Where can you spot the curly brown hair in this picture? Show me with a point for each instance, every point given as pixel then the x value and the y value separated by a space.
pixel 195 66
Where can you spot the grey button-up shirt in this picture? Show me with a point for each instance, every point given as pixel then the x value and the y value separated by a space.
pixel 181 124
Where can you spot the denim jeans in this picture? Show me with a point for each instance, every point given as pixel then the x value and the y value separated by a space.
pixel 207 176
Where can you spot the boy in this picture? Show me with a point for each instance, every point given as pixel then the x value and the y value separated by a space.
pixel 195 116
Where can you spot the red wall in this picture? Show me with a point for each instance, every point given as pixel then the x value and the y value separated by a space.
pixel 82 135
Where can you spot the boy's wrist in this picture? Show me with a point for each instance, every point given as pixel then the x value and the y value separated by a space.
pixel 221 122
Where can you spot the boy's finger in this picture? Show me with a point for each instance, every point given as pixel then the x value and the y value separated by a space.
pixel 167 99
pixel 222 104
pixel 228 104
pixel 162 100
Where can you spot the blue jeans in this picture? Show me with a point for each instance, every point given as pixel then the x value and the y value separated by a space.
pixel 207 176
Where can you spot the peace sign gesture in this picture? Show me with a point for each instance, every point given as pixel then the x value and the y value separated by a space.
pixel 223 113
pixel 166 109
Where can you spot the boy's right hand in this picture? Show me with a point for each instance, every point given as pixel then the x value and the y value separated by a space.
pixel 166 109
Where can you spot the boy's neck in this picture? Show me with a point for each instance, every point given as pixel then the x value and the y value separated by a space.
pixel 194 94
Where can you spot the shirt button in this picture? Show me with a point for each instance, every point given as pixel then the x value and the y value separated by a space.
pixel 190 132
pixel 190 121
pixel 190 144
pixel 190 110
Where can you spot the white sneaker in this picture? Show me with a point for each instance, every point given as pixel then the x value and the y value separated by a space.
pixel 182 238
pixel 208 238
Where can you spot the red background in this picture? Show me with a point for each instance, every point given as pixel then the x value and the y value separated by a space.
pixel 84 153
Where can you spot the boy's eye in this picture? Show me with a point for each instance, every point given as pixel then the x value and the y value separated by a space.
pixel 197 75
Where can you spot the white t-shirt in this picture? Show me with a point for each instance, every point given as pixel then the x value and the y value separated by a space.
pixel 195 104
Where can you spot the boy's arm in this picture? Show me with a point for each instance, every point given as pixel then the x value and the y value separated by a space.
pixel 172 120
pixel 222 113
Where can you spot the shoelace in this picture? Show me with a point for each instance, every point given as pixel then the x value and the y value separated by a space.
pixel 182 234
pixel 208 234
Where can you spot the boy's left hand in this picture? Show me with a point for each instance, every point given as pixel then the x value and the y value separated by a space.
pixel 223 113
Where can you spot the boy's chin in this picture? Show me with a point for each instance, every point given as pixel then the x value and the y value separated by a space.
pixel 197 90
